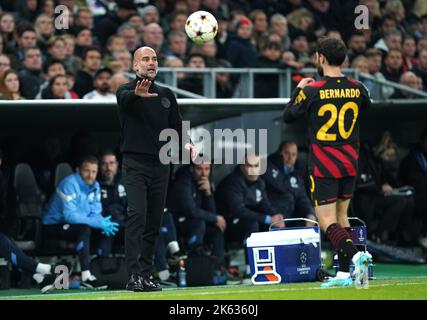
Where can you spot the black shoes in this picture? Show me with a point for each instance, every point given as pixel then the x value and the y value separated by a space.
pixel 93 284
pixel 142 283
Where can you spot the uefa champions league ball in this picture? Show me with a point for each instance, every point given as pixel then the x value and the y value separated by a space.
pixel 201 26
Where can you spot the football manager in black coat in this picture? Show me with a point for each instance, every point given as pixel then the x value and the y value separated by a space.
pixel 145 109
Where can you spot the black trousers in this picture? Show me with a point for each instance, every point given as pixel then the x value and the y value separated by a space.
pixel 78 233
pixel 197 232
pixel 146 181
pixel 11 252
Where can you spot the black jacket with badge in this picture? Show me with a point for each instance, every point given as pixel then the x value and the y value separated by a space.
pixel 286 192
pixel 186 200
pixel 143 118
pixel 114 200
pixel 236 197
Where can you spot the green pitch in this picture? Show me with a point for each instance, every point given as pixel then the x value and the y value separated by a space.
pixel 393 282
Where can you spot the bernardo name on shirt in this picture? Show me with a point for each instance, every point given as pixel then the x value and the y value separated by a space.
pixel 339 93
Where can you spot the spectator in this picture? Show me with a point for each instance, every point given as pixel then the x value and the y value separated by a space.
pixel 4 62
pixel 84 39
pixel 44 29
pixel 299 46
pixel 421 44
pixel 48 7
pixel 101 84
pixel 153 37
pixel 26 39
pixel 51 68
pixel 177 22
pixel 28 10
pixel 57 89
pixel 324 18
pixel 113 199
pixel 193 204
pixel 71 78
pixel 56 48
pixel 377 91
pixel 242 199
pixel 284 185
pixel 136 21
pixel 279 25
pixel 267 85
pixel 421 69
pixel 129 33
pixel 421 29
pixel 125 59
pixel 302 20
pixel 413 171
pixel 71 62
pixel 177 44
pixel 30 77
pixel 224 86
pixel 361 64
pixel 193 5
pixel 7 29
pixel 117 80
pixel 84 18
pixel 9 85
pixel 410 80
pixel 240 51
pixel 392 68
pixel 112 21
pixel 387 24
pixel 260 25
pixel 74 210
pixel 114 43
pixel 174 62
pixel 149 14
pixel 209 51
pixel 356 45
pixel 409 49
pixel 193 82
pixel 84 77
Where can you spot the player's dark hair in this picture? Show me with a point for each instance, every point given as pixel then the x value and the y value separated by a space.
pixel 333 49
pixel 87 158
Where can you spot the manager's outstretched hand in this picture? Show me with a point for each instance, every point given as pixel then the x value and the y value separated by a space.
pixel 142 87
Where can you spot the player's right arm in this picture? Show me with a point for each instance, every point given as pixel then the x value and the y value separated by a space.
pixel 299 102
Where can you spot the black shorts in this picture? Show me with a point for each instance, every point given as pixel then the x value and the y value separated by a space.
pixel 328 190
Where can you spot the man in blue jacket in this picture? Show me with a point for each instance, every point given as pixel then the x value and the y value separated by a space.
pixel 242 198
pixel 74 210
pixel 284 185
pixel 193 204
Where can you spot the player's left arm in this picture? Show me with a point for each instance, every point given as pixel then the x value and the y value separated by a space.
pixel 299 102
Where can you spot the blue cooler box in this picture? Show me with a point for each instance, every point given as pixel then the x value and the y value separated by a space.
pixel 285 255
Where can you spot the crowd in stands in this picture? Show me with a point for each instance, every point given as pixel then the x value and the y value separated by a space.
pixel 38 44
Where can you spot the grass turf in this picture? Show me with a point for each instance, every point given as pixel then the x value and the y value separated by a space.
pixel 393 282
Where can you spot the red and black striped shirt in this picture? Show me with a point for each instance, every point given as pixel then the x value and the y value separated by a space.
pixel 333 107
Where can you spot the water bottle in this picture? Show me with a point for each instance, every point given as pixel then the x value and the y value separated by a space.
pixel 182 274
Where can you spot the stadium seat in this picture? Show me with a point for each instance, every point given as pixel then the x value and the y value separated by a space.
pixel 62 170
pixel 29 206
